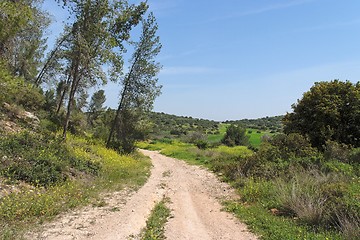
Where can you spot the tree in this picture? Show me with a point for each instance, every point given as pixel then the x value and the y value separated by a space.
pixel 96 106
pixel 22 26
pixel 139 86
pixel 235 136
pixel 98 29
pixel 329 111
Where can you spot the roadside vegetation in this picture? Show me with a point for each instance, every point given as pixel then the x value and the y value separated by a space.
pixel 155 224
pixel 53 151
pixel 43 177
pixel 293 186
pixel 298 175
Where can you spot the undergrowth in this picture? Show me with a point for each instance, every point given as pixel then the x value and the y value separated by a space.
pixel 84 170
pixel 288 189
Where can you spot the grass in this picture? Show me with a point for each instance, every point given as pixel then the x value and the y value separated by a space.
pixel 212 138
pixel 155 224
pixel 191 154
pixel 22 211
pixel 271 227
pixel 261 195
pixel 255 136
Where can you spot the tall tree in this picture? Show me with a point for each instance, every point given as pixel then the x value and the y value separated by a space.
pixel 84 48
pixel 328 111
pixel 99 28
pixel 139 86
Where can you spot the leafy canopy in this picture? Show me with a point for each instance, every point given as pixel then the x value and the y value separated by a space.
pixel 329 111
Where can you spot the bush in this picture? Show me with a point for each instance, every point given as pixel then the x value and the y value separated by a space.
pixel 235 136
pixel 201 144
pixel 301 197
pixel 40 160
pixel 354 156
pixel 15 90
pixel 194 137
pixel 336 151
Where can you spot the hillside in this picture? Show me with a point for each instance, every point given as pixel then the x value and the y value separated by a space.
pixel 272 124
pixel 169 124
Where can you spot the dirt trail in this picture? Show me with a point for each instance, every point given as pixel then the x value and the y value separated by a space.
pixel 194 194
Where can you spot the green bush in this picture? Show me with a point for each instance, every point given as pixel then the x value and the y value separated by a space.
pixel 202 144
pixel 15 90
pixel 40 160
pixel 235 136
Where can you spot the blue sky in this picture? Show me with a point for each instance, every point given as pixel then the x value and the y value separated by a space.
pixel 236 59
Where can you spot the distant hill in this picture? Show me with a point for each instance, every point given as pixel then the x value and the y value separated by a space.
pixel 168 124
pixel 273 124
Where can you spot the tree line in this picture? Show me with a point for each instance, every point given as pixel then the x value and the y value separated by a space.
pixel 88 53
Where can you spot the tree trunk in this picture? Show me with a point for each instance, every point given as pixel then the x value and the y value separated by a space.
pixel 116 117
pixel 74 84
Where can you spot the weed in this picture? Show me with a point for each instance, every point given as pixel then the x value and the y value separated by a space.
pixel 155 224
pixel 272 227
pixel 22 210
pixel 349 225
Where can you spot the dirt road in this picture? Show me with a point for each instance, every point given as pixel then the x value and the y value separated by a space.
pixel 196 212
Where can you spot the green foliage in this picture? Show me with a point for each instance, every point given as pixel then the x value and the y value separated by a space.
pixel 22 26
pixel 288 189
pixel 20 210
pixel 14 90
pixel 235 136
pixel 139 88
pixel 14 17
pixel 197 138
pixel 328 111
pixel 156 222
pixel 355 156
pixel 337 151
pixel 167 124
pixel 273 124
pixel 40 160
pixel 96 106
pixel 126 132
pixel 271 227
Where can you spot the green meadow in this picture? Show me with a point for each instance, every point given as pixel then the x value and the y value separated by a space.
pixel 255 135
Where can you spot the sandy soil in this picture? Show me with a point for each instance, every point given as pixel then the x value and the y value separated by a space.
pixel 194 193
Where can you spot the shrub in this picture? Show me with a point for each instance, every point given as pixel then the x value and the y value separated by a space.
pixel 15 90
pixel 301 197
pixel 201 144
pixel 195 137
pixel 354 156
pixel 336 151
pixel 40 160
pixel 235 136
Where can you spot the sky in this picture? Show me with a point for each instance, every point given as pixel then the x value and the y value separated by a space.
pixel 236 59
